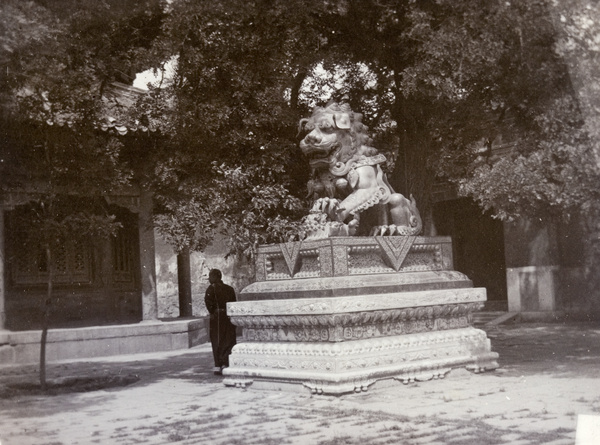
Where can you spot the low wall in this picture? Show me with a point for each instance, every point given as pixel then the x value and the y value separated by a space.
pixel 549 292
pixel 532 288
pixel 101 341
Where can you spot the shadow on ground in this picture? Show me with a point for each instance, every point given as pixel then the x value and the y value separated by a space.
pixel 86 376
pixel 564 350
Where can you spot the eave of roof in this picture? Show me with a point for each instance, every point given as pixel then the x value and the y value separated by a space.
pixel 117 102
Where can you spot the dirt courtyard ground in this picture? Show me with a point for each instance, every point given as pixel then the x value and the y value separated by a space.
pixel 548 376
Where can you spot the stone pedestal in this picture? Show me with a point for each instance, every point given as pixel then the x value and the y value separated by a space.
pixel 339 314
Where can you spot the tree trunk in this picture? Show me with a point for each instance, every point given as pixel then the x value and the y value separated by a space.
pixel 297 84
pixel 412 176
pixel 184 283
pixel 46 320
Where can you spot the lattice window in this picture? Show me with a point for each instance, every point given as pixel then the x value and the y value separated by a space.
pixel 123 257
pixel 80 263
pixel 61 260
pixel 71 263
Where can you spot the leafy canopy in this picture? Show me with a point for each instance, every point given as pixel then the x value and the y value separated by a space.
pixel 438 82
pixel 60 58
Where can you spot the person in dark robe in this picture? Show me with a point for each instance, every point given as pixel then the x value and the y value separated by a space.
pixel 222 331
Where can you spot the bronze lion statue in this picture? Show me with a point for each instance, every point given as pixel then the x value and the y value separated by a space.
pixel 351 192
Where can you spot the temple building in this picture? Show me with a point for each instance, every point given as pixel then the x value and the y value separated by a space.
pixel 104 289
pixel 95 281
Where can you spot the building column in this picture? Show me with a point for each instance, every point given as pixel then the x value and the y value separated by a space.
pixel 184 283
pixel 147 259
pixel 2 271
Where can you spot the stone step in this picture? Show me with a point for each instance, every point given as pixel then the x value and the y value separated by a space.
pixel 486 316
pixel 492 317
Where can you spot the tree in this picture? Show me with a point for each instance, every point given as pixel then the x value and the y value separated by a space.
pixel 434 80
pixel 229 130
pixel 60 64
pixel 449 75
pixel 520 87
pixel 577 44
pixel 46 163
pixel 53 220
pixel 468 73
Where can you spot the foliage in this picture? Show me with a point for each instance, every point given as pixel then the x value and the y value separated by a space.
pixel 438 82
pixel 229 131
pixel 435 81
pixel 559 177
pixel 67 53
pixel 579 46
pixel 59 58
pixel 183 212
pixel 451 77
pixel 253 200
pixel 57 218
pixel 545 174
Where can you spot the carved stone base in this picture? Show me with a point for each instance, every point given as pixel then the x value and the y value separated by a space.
pixel 337 368
pixel 340 314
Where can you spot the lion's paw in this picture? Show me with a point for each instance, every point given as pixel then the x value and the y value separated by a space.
pixel 393 230
pixel 328 206
pixel 379 231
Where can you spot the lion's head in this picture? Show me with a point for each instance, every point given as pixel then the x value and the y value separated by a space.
pixel 336 134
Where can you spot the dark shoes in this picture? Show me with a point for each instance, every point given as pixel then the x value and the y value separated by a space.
pixel 218 371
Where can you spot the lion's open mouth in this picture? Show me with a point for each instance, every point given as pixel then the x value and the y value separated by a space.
pixel 321 155
pixel 316 150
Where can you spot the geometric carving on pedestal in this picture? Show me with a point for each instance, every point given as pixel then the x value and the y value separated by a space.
pixel 291 254
pixel 347 256
pixel 395 248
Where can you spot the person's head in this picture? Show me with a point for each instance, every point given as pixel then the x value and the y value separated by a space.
pixel 214 276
